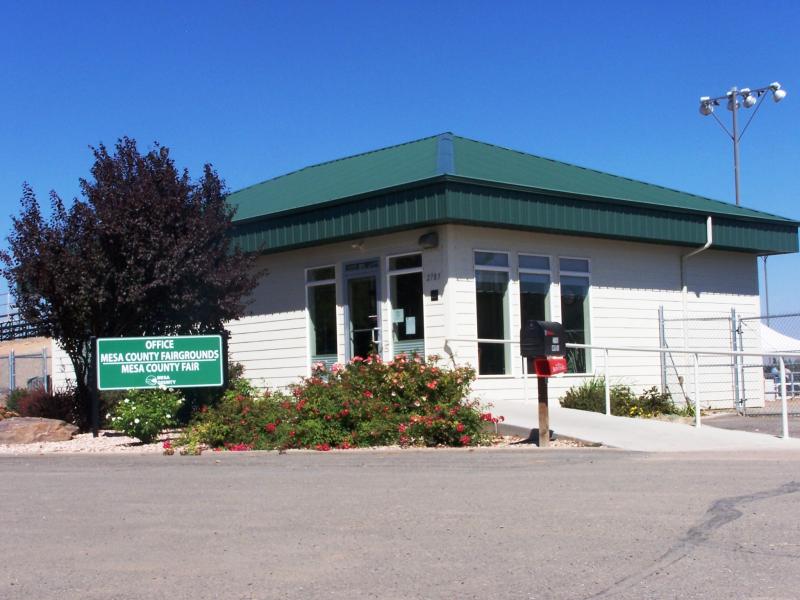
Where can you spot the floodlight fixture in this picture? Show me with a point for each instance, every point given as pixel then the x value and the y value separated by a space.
pixel 734 99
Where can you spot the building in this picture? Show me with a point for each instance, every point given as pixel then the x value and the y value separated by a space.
pixel 431 245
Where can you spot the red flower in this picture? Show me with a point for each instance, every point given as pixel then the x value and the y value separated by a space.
pixel 460 427
pixel 367 394
pixel 167 445
pixel 322 447
pixel 344 412
pixel 270 427
pixel 402 428
pixel 465 440
pixel 432 384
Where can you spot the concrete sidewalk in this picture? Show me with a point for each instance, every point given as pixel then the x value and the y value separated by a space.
pixel 644 435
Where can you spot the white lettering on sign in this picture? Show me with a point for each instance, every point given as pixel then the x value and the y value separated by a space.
pixel 150 344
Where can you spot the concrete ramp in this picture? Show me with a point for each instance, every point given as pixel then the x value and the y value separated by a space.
pixel 644 435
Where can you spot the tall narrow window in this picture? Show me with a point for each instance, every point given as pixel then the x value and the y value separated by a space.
pixel 406 295
pixel 575 285
pixel 321 297
pixel 534 290
pixel 491 303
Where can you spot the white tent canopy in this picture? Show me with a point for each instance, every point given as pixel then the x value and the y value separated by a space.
pixel 775 341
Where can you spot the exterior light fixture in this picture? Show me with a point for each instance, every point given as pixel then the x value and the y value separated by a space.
pixel 736 98
pixel 706 106
pixel 749 98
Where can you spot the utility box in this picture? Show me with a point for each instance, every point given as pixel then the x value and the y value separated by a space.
pixel 538 339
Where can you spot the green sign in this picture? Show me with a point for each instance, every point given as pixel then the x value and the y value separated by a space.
pixel 149 362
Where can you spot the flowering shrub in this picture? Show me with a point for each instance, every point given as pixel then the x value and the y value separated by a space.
pixel 144 414
pixel 367 402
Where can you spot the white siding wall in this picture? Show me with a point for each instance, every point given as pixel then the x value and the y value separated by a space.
pixel 271 342
pixel 629 283
pixel 63 375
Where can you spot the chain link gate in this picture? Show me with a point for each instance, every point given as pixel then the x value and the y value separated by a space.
pixel 720 376
pixel 775 333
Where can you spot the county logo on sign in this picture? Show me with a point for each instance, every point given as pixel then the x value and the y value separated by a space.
pixel 159 380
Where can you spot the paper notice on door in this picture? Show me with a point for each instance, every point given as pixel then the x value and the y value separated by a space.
pixel 411 325
pixel 397 315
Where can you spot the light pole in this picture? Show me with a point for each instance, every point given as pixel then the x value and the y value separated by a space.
pixel 749 98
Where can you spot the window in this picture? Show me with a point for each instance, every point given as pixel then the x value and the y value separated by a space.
pixel 575 285
pixel 406 296
pixel 534 290
pixel 491 302
pixel 321 298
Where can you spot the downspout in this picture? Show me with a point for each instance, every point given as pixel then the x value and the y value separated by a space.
pixel 684 287
pixel 685 257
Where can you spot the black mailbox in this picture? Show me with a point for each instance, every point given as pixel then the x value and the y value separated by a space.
pixel 541 338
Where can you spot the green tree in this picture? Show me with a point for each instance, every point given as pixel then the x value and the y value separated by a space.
pixel 144 251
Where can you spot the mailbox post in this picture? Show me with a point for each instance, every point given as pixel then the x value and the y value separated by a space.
pixel 543 341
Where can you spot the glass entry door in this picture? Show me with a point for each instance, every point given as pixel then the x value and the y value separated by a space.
pixel 362 316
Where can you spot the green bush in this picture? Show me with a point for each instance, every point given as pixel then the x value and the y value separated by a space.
pixel 367 402
pixel 14 396
pixel 590 395
pixel 144 414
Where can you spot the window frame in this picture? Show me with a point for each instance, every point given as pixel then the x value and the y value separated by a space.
pixel 389 273
pixel 309 324
pixel 533 271
pixel 587 317
pixel 507 362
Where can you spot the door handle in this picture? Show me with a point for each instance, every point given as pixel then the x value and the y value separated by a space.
pixel 375 335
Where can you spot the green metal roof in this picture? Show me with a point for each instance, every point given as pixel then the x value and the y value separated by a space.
pixel 478 183
pixel 337 179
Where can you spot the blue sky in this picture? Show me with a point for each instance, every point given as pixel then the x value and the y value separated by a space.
pixel 260 88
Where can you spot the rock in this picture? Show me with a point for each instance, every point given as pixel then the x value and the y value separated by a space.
pixel 29 430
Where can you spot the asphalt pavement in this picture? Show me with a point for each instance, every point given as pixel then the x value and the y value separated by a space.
pixel 513 523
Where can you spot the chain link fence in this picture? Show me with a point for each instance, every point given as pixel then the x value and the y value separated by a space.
pixel 774 333
pixel 750 385
pixel 29 370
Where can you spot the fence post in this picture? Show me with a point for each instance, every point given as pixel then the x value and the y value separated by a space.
pixel 737 398
pixel 696 391
pixel 607 385
pixel 662 343
pixel 784 408
pixel 45 374
pixel 11 375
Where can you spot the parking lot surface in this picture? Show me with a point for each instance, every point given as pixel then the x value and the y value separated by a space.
pixel 514 523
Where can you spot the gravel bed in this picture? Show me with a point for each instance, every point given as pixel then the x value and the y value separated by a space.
pixel 108 442
pixel 113 442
